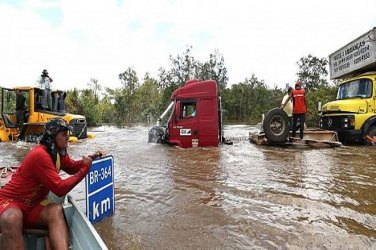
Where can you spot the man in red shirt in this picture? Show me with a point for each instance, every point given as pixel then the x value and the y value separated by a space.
pixel 23 200
pixel 299 108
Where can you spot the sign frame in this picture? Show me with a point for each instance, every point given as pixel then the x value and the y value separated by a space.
pixel 358 56
pixel 99 189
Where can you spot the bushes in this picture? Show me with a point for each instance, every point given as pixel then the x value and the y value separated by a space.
pixel 83 102
pixel 323 95
pixel 245 102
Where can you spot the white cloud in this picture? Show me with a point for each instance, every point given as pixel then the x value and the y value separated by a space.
pixel 100 39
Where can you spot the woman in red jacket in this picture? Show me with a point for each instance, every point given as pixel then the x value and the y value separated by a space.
pixel 23 200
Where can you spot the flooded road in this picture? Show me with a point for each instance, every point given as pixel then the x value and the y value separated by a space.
pixel 239 196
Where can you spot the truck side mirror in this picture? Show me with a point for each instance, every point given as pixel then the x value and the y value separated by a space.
pixel 319 106
pixel 177 110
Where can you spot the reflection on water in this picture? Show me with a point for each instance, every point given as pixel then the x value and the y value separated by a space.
pixel 237 196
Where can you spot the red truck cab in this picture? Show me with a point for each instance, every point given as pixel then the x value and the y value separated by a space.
pixel 195 120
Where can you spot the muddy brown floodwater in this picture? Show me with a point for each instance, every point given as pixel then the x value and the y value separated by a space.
pixel 239 196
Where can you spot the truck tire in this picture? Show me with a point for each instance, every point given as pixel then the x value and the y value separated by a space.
pixel 370 132
pixel 276 126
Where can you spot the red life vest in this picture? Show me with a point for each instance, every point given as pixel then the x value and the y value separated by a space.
pixel 298 98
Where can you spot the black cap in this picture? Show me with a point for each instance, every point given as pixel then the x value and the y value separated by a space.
pixel 56 125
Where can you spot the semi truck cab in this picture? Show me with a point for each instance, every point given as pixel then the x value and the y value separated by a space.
pixel 194 117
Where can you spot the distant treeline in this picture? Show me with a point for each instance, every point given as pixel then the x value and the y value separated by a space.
pixel 143 100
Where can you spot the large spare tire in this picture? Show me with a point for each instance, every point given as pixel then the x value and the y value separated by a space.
pixel 276 126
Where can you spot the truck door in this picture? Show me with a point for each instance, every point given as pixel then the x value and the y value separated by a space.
pixel 209 126
pixel 185 128
pixel 374 96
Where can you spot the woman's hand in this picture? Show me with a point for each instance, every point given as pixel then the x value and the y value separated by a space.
pixel 98 154
pixel 87 160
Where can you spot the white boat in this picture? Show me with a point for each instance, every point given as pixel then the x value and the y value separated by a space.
pixel 82 234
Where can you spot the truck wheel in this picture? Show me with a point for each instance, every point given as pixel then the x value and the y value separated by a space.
pixel 276 126
pixel 371 133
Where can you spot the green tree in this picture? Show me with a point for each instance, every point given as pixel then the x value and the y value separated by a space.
pixel 248 100
pixel 183 68
pixel 313 72
pixel 244 101
pixel 95 87
pixel 129 80
pixel 120 106
pixel 90 107
pixel 84 103
pixel 147 99
pixel 323 94
pixel 106 109
pixel 72 102
pixel 214 69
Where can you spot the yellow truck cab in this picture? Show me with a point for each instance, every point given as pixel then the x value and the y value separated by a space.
pixel 35 116
pixel 353 113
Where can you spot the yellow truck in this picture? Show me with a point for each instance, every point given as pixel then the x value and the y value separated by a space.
pixel 35 116
pixel 353 113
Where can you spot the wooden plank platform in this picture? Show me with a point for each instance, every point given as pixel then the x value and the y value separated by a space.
pixel 312 137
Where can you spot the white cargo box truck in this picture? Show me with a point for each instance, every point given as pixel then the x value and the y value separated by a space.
pixel 353 113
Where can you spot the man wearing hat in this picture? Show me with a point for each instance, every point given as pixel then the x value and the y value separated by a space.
pixel 44 83
pixel 23 200
pixel 299 108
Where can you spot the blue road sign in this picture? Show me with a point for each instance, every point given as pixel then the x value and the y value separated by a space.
pixel 100 198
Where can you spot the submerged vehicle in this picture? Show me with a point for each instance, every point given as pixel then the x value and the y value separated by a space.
pixel 353 113
pixel 35 116
pixel 195 117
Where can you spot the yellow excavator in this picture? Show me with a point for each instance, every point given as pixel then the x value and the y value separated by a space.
pixel 35 116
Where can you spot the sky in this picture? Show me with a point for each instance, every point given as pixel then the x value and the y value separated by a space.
pixel 76 40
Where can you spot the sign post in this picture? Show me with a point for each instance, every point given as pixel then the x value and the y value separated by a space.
pixel 100 198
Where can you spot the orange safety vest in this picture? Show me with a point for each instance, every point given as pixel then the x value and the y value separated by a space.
pixel 298 98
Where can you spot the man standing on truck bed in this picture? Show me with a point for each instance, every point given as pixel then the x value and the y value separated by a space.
pixel 299 108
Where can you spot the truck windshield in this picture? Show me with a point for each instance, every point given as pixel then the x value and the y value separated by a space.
pixel 361 88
